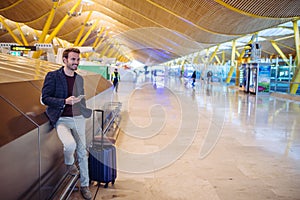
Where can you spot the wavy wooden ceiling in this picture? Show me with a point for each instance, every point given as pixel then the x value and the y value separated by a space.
pixel 150 31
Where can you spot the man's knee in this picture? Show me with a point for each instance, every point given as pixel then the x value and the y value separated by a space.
pixel 70 147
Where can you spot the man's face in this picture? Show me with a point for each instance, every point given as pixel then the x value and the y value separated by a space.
pixel 73 61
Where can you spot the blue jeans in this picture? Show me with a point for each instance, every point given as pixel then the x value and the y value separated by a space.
pixel 71 132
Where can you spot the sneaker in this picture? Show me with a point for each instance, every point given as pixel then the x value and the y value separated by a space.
pixel 72 169
pixel 85 192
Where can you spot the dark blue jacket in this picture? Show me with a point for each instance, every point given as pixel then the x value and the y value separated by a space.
pixel 55 91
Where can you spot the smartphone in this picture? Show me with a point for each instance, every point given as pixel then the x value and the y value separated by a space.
pixel 80 96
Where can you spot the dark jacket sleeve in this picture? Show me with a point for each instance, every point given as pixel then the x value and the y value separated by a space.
pixel 54 93
pixel 51 94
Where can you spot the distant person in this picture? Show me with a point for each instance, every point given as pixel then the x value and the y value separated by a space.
pixel 182 71
pixel 193 78
pixel 155 74
pixel 63 93
pixel 115 78
pixel 209 75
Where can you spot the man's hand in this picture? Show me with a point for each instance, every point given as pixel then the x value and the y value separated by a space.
pixel 71 100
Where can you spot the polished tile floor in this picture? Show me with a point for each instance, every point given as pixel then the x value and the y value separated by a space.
pixel 208 142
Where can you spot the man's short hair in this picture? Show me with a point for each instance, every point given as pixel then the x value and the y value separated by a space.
pixel 67 51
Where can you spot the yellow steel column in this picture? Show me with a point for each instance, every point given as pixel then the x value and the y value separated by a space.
pixel 196 58
pixel 105 50
pixel 10 32
pixel 88 33
pixel 82 28
pixel 62 22
pixel 115 55
pixel 232 62
pixel 59 42
pixel 101 41
pixel 238 54
pixel 110 52
pixel 214 54
pixel 218 60
pixel 115 49
pixel 203 60
pixel 297 41
pixel 296 77
pixel 223 58
pixel 98 37
pixel 96 41
pixel 276 47
pixel 46 28
pixel 22 35
pixel 48 23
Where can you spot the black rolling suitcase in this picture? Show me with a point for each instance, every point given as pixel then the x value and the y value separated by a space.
pixel 102 158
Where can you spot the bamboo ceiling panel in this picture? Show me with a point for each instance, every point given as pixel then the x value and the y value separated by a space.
pixel 164 38
pixel 24 11
pixel 270 8
pixel 215 18
pixel 134 17
pixel 112 15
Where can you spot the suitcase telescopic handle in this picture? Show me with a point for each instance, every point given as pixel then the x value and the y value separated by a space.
pixel 102 126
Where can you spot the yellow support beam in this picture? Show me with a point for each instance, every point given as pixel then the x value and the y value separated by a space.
pixel 296 77
pixel 82 28
pixel 237 53
pixel 46 28
pixel 115 55
pixel 223 58
pixel 196 58
pixel 218 60
pixel 110 52
pixel 101 41
pixel 285 46
pixel 96 42
pixel 105 50
pixel 10 32
pixel 214 53
pixel 22 35
pixel 276 47
pixel 297 41
pixel 113 50
pixel 232 62
pixel 88 33
pixel 98 38
pixel 48 23
pixel 62 22
pixel 59 42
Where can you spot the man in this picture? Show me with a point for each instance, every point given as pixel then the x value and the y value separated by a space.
pixel 115 78
pixel 209 75
pixel 193 78
pixel 63 93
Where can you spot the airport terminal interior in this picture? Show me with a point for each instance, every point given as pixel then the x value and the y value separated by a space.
pixel 207 107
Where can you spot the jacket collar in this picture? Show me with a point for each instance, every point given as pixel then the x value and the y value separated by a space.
pixel 61 70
